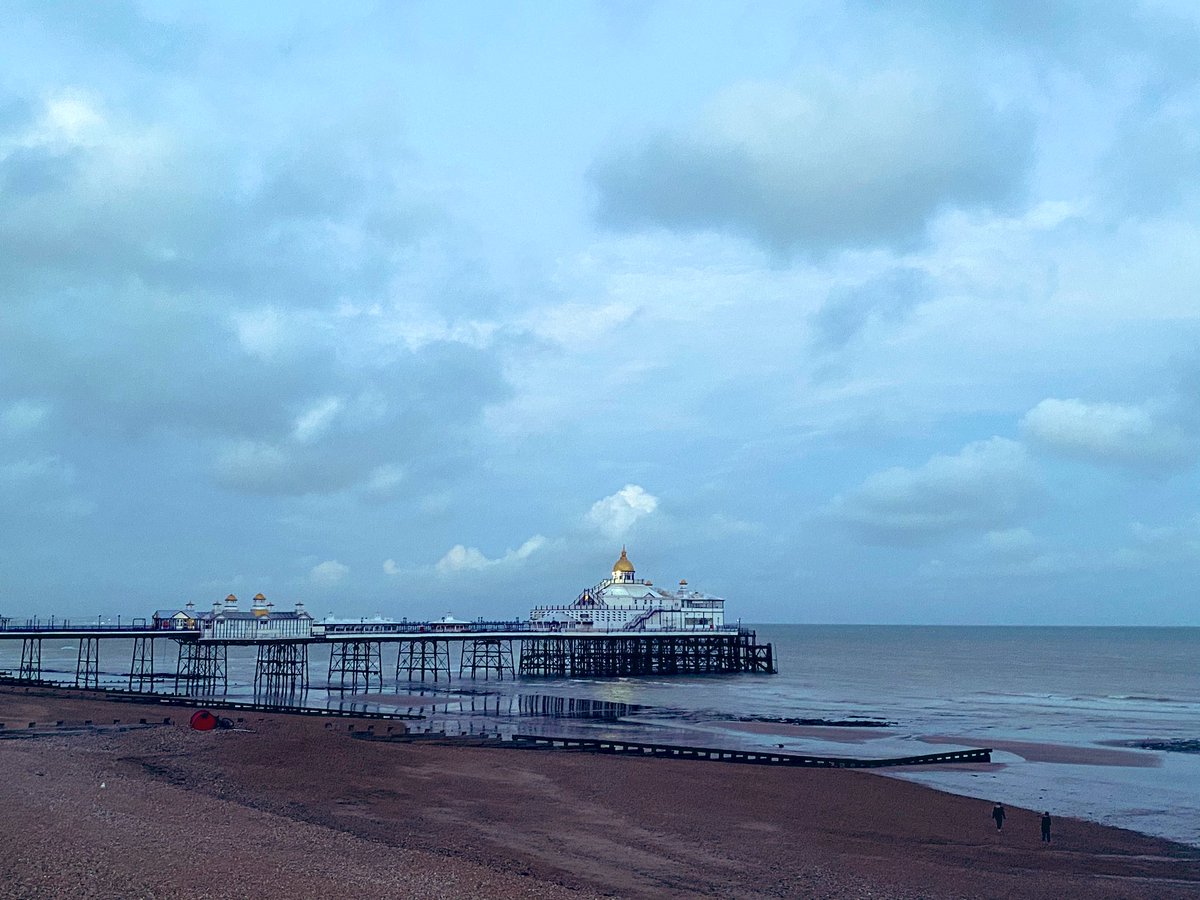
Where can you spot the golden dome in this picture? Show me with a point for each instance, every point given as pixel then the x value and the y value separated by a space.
pixel 259 598
pixel 623 564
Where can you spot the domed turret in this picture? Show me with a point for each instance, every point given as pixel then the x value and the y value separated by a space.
pixel 622 569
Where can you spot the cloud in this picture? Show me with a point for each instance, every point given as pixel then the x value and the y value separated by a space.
pixel 42 488
pixel 850 309
pixel 1109 433
pixel 390 567
pixel 986 486
pixel 827 163
pixel 1011 543
pixel 617 513
pixel 22 416
pixel 1153 546
pixel 166 279
pixel 328 573
pixel 467 559
pixel 316 420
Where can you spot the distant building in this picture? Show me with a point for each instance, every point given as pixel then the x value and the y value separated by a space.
pixel 225 622
pixel 174 619
pixel 448 623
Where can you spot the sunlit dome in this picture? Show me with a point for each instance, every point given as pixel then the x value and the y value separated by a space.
pixel 623 564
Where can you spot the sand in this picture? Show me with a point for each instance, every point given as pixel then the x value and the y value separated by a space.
pixel 290 806
pixel 1055 753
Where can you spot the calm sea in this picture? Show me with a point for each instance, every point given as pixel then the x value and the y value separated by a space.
pixel 1078 687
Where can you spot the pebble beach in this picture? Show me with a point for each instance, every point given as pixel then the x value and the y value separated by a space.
pixel 290 806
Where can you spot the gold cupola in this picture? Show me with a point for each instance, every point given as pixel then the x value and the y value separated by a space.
pixel 622 569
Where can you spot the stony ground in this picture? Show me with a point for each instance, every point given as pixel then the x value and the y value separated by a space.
pixel 297 807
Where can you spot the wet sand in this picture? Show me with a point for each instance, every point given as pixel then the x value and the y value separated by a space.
pixel 1034 751
pixel 291 806
pixel 836 733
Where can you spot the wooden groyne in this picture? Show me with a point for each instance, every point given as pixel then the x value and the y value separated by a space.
pixel 677 751
pixel 752 757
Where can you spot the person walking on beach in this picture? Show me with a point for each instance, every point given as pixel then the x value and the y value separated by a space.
pixel 998 815
pixel 1046 826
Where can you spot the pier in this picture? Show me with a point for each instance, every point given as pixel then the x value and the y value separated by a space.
pixel 623 626
pixel 363 655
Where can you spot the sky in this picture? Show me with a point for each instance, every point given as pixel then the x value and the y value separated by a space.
pixel 857 312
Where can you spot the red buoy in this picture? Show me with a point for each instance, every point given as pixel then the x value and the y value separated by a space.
pixel 203 720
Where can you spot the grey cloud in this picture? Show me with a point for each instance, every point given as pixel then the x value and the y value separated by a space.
pixel 29 171
pixel 1146 56
pixel 849 309
pixel 117 27
pixel 988 485
pixel 418 416
pixel 822 166
pixel 127 274
pixel 312 215
pixel 1154 164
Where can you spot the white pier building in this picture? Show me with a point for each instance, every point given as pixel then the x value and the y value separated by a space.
pixel 624 602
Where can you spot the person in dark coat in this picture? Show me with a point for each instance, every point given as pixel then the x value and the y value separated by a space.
pixel 998 815
pixel 1046 826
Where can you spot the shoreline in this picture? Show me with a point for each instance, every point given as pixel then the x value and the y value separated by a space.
pixel 437 818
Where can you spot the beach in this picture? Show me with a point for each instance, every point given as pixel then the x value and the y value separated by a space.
pixel 298 806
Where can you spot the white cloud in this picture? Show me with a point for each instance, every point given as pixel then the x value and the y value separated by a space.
pixel 316 420
pixel 384 480
pixel 71 116
pixel 261 332
pixel 1011 542
pixel 617 513
pixel 1109 433
pixel 1161 544
pixel 23 416
pixel 328 573
pixel 390 567
pixel 579 324
pixel 460 558
pixel 246 463
pixel 987 484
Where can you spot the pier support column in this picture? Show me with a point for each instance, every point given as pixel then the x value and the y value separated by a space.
pixel 87 666
pixel 203 665
pixel 141 666
pixel 546 657
pixel 281 669
pixel 487 655
pixel 422 657
pixel 31 660
pixel 356 663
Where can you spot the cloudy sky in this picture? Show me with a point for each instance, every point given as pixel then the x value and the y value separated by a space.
pixel 849 313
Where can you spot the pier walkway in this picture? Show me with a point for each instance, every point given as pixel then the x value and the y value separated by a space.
pixel 356 649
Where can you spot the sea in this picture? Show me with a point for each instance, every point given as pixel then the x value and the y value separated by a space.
pixel 1096 723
